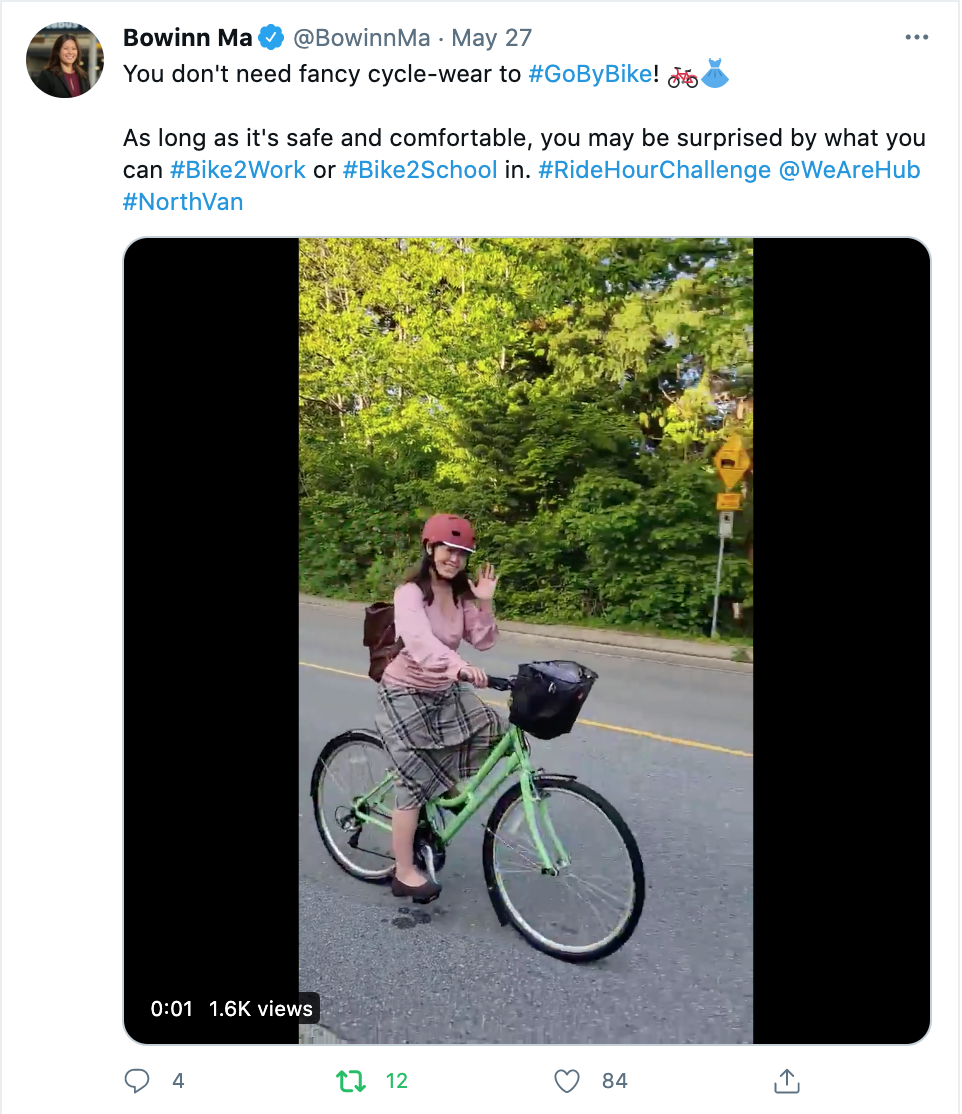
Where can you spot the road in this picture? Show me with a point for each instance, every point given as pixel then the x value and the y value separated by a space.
pixel 450 973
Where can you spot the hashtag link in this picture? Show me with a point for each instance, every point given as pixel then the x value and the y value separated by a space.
pixel 545 170
pixel 130 201
pixel 536 72
pixel 350 169
pixel 177 170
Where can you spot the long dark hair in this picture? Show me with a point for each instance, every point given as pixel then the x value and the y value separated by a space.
pixel 420 574
pixel 54 63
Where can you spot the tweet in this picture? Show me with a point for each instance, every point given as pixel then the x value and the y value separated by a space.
pixel 516 253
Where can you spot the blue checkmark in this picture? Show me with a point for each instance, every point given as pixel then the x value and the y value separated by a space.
pixel 270 37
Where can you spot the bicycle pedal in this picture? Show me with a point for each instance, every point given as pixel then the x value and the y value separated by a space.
pixel 428 855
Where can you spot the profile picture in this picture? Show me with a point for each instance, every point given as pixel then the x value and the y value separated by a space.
pixel 65 60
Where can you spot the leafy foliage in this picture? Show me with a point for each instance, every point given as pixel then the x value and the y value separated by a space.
pixel 565 395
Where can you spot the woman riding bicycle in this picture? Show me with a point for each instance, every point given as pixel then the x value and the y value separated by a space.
pixel 436 729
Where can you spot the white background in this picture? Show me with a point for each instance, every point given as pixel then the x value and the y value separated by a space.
pixel 814 67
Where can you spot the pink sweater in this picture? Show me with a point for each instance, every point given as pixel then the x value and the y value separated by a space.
pixel 430 659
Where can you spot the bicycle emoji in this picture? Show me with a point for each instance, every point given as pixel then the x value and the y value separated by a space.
pixel 560 864
pixel 682 77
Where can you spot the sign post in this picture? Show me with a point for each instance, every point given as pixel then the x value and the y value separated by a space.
pixel 721 552
pixel 731 463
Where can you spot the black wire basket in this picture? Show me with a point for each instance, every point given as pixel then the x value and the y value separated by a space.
pixel 547 697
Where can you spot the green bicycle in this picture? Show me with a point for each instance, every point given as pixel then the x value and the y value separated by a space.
pixel 560 863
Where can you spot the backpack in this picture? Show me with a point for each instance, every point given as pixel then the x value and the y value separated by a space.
pixel 380 637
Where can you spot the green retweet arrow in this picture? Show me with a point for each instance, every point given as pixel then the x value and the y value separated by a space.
pixel 360 1085
pixel 342 1075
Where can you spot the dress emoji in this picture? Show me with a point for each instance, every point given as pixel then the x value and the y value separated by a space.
pixel 714 79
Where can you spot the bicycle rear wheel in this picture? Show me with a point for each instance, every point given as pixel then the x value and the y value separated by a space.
pixel 591 906
pixel 349 768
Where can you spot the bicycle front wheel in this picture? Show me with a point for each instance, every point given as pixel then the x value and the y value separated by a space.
pixel 590 907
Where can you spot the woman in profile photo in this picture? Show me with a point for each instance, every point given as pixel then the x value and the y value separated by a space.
pixel 63 76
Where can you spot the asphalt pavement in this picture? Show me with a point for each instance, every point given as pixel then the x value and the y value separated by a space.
pixel 670 746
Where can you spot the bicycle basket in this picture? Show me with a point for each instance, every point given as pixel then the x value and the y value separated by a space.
pixel 547 697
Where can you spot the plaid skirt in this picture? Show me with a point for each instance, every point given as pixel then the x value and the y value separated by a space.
pixel 435 739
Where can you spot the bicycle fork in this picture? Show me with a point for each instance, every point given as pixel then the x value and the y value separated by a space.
pixel 534 802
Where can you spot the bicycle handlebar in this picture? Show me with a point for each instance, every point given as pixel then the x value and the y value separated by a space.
pixel 503 684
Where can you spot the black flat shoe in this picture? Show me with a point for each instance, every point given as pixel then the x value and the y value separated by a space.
pixel 421 895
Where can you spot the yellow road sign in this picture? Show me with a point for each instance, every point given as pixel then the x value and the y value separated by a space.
pixel 731 461
pixel 728 501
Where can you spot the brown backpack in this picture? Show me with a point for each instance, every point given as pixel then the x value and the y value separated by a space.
pixel 380 637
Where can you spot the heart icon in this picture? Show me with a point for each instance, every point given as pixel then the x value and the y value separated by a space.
pixel 567 1085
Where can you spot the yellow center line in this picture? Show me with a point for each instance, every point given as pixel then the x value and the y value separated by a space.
pixel 330 669
pixel 586 722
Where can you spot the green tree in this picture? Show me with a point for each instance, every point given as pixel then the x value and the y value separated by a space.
pixel 567 395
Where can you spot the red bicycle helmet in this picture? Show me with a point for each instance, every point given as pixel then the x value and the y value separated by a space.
pixel 449 530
